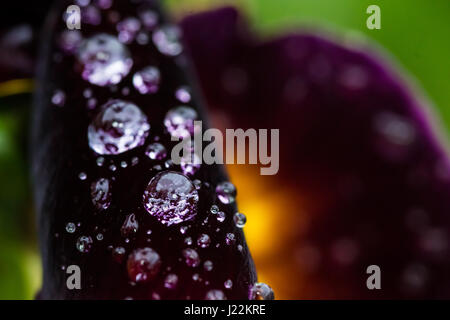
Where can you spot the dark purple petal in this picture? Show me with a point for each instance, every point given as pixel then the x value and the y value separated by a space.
pixel 93 175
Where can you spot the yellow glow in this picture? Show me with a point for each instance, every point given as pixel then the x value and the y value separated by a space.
pixel 12 87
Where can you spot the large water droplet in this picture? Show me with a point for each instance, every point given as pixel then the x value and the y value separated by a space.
pixel 191 257
pixel 119 127
pixel 101 193
pixel 171 198
pixel 261 291
pixel 166 39
pixel 226 192
pixel 147 80
pixel 179 121
pixel 143 265
pixel 104 59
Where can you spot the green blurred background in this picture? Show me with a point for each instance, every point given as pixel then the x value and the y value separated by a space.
pixel 414 33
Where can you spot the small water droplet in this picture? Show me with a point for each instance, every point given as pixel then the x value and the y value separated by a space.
pixel 143 265
pixel 215 295
pixel 191 257
pixel 59 98
pixel 226 192
pixel 130 226
pixel 147 80
pixel 84 244
pixel 230 239
pixel 99 236
pixel 179 121
pixel 214 209
pixel 71 227
pixel 128 29
pixel 221 216
pixel 261 291
pixel 239 219
pixel 183 94
pixel 82 176
pixel 171 281
pixel 166 39
pixel 101 194
pixel 208 265
pixel 156 151
pixel 203 241
pixel 228 284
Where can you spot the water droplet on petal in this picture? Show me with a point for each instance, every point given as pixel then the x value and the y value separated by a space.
pixel 101 194
pixel 208 265
pixel 82 176
pixel 226 192
pixel 156 151
pixel 215 295
pixel 239 219
pixel 183 94
pixel 203 241
pixel 228 284
pixel 261 291
pixel 119 127
pixel 166 39
pixel 143 265
pixel 130 226
pixel 71 227
pixel 171 198
pixel 128 29
pixel 230 239
pixel 104 59
pixel 191 257
pixel 171 281
pixel 221 216
pixel 147 80
pixel 84 244
pixel 179 121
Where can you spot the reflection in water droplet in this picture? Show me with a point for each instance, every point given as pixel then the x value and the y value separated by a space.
pixel 143 265
pixel 101 194
pixel 104 59
pixel 226 192
pixel 119 127
pixel 171 198
pixel 261 291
